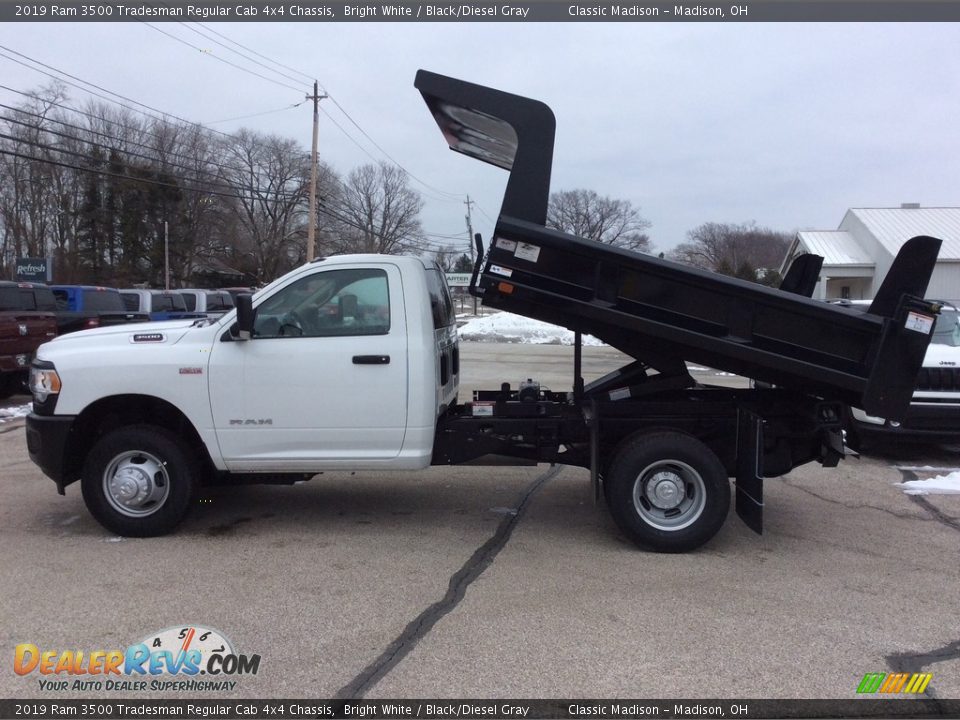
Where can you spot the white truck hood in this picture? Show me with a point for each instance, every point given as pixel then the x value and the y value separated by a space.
pixel 154 333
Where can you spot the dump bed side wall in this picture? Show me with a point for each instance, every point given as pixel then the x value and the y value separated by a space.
pixel 659 311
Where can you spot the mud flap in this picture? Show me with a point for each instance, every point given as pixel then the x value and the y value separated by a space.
pixel 749 480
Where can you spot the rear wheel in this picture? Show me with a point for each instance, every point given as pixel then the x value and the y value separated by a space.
pixel 139 481
pixel 667 491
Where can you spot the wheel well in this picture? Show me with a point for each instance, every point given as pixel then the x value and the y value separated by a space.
pixel 117 411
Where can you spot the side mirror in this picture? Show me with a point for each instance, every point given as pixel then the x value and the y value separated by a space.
pixel 245 316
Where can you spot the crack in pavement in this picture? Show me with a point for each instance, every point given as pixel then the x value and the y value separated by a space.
pixel 415 631
pixel 938 514
pixel 853 506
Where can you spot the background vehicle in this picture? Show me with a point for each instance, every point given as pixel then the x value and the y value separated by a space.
pixel 934 413
pixel 80 307
pixel 158 304
pixel 352 362
pixel 21 333
pixel 212 302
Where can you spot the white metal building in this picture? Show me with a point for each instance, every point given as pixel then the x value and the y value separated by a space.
pixel 857 256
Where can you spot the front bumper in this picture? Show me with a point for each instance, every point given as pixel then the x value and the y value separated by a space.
pixel 935 422
pixel 47 439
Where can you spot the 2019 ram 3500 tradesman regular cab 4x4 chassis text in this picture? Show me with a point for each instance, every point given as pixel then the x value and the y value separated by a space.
pixel 352 362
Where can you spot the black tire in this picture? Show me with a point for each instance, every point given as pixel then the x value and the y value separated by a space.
pixel 685 479
pixel 140 481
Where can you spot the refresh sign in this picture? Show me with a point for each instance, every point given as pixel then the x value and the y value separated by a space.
pixel 34 270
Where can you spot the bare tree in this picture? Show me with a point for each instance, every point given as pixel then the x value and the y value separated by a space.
pixel 270 176
pixel 734 249
pixel 376 211
pixel 586 214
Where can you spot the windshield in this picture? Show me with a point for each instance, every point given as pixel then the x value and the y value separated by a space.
pixel 947 329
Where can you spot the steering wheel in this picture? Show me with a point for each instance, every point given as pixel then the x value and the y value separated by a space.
pixel 291 325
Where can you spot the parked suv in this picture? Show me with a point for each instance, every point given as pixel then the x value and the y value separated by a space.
pixel 935 410
pixel 212 302
pixel 158 304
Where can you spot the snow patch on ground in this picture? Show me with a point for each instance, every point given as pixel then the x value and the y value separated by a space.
pixel 11 413
pixel 507 327
pixel 939 485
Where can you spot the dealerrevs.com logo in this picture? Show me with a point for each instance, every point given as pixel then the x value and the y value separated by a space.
pixel 186 658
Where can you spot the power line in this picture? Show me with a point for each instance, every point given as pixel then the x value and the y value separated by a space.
pixel 253 193
pixel 119 142
pixel 106 173
pixel 252 115
pixel 94 85
pixel 286 67
pixel 217 57
pixel 444 195
pixel 236 52
pixel 388 156
pixel 164 164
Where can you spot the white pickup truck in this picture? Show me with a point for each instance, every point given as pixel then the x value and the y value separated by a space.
pixel 354 359
pixel 352 362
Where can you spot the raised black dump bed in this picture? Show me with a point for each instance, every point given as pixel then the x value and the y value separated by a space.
pixel 663 445
pixel 663 313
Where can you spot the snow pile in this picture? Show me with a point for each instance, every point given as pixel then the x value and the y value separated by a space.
pixel 939 485
pixel 510 328
pixel 10 413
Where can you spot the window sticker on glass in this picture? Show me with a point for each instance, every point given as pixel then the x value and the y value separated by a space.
pixel 497 270
pixel 526 251
pixel 919 323
pixel 508 245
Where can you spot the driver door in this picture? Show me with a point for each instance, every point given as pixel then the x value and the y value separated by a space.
pixel 323 381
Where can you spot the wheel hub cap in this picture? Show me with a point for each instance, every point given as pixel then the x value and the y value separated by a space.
pixel 136 483
pixel 131 486
pixel 665 490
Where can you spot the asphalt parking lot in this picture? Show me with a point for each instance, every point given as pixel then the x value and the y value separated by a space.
pixel 502 582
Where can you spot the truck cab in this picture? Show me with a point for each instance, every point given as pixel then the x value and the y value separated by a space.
pixel 349 363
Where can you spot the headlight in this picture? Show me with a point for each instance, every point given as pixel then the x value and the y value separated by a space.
pixel 44 382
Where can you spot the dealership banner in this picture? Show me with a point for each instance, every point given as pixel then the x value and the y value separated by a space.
pixel 485 11
pixel 476 709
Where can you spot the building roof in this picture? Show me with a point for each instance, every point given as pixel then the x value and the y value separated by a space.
pixel 894 226
pixel 837 247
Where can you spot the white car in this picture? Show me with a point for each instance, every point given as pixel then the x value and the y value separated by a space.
pixel 935 410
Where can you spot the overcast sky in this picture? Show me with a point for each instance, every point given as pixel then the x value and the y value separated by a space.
pixel 785 124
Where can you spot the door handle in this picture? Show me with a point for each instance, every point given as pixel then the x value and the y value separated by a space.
pixel 371 359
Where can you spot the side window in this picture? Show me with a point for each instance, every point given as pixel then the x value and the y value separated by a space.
pixel 130 301
pixel 45 299
pixel 190 300
pixel 328 304
pixel 63 299
pixel 441 304
pixel 27 299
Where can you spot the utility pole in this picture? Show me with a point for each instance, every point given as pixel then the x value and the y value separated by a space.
pixel 166 256
pixel 312 226
pixel 468 202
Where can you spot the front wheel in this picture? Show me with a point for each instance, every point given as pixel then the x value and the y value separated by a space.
pixel 139 481
pixel 667 491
